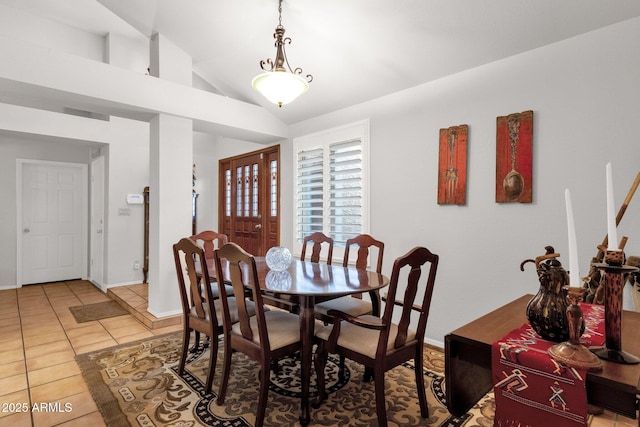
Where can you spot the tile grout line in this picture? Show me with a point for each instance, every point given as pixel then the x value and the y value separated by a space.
pixel 24 355
pixel 106 329
pixel 68 340
pixel 99 323
pixel 58 318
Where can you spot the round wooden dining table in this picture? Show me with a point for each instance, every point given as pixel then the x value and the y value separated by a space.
pixel 303 285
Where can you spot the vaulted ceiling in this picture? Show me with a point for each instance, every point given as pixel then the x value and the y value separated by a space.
pixel 356 50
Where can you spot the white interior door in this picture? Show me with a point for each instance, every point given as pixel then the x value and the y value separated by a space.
pixel 96 233
pixel 53 222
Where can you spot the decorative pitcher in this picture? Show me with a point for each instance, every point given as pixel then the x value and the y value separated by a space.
pixel 547 310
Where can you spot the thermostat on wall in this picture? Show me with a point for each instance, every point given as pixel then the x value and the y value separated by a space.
pixel 135 199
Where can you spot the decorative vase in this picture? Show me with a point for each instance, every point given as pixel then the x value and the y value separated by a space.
pixel 278 258
pixel 547 310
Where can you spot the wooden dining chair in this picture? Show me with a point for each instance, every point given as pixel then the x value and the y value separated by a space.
pixel 316 239
pixel 354 304
pixel 209 240
pixel 378 343
pixel 265 337
pixel 201 312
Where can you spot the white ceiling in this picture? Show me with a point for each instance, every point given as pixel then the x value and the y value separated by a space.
pixel 356 50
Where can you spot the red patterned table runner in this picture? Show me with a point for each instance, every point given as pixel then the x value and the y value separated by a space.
pixel 532 389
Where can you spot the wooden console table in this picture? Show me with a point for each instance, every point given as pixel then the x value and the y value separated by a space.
pixel 468 362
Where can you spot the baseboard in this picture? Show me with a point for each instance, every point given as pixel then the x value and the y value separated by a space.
pixel 166 313
pixel 434 343
pixel 117 285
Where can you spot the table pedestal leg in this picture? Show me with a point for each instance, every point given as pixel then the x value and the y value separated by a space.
pixel 307 322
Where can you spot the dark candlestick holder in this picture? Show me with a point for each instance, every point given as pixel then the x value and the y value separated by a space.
pixel 571 352
pixel 614 272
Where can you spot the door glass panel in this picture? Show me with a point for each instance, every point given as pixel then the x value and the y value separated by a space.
pixel 227 192
pixel 239 191
pixel 246 191
pixel 273 187
pixel 254 190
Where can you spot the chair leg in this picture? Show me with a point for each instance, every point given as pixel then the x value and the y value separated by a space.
pixel 185 346
pixel 275 366
pixel 422 395
pixel 213 356
pixel 263 394
pixel 341 368
pixel 368 374
pixel 196 344
pixel 366 377
pixel 381 409
pixel 225 372
pixel 320 362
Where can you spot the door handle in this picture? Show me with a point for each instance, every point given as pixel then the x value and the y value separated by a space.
pixel 258 226
pixel 26 230
pixel 99 231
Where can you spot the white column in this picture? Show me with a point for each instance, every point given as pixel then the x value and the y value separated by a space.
pixel 169 62
pixel 171 151
pixel 170 186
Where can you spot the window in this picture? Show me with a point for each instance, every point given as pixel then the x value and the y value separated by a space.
pixel 331 185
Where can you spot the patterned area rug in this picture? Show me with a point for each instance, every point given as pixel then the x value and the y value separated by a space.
pixel 97 311
pixel 136 384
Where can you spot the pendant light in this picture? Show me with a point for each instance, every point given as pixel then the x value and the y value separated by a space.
pixel 279 83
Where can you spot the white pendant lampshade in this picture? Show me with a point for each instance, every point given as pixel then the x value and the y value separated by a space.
pixel 280 87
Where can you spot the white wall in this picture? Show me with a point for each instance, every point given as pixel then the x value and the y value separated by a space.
pixel 21 25
pixel 124 52
pixel 584 93
pixel 127 173
pixel 12 147
pixel 206 161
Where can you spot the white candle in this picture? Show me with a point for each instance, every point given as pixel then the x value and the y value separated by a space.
pixel 574 275
pixel 611 216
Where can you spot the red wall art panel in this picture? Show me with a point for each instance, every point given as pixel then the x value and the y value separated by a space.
pixel 452 165
pixel 514 141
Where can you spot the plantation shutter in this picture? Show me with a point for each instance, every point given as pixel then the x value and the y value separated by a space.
pixel 330 190
pixel 310 192
pixel 345 190
pixel 331 181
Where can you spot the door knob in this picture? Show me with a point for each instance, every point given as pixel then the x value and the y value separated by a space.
pixel 258 226
pixel 26 230
pixel 99 231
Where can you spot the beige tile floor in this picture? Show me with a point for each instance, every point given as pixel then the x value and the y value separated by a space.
pixel 39 339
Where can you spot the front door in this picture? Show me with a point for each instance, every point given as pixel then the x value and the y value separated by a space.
pixel 52 224
pixel 250 200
